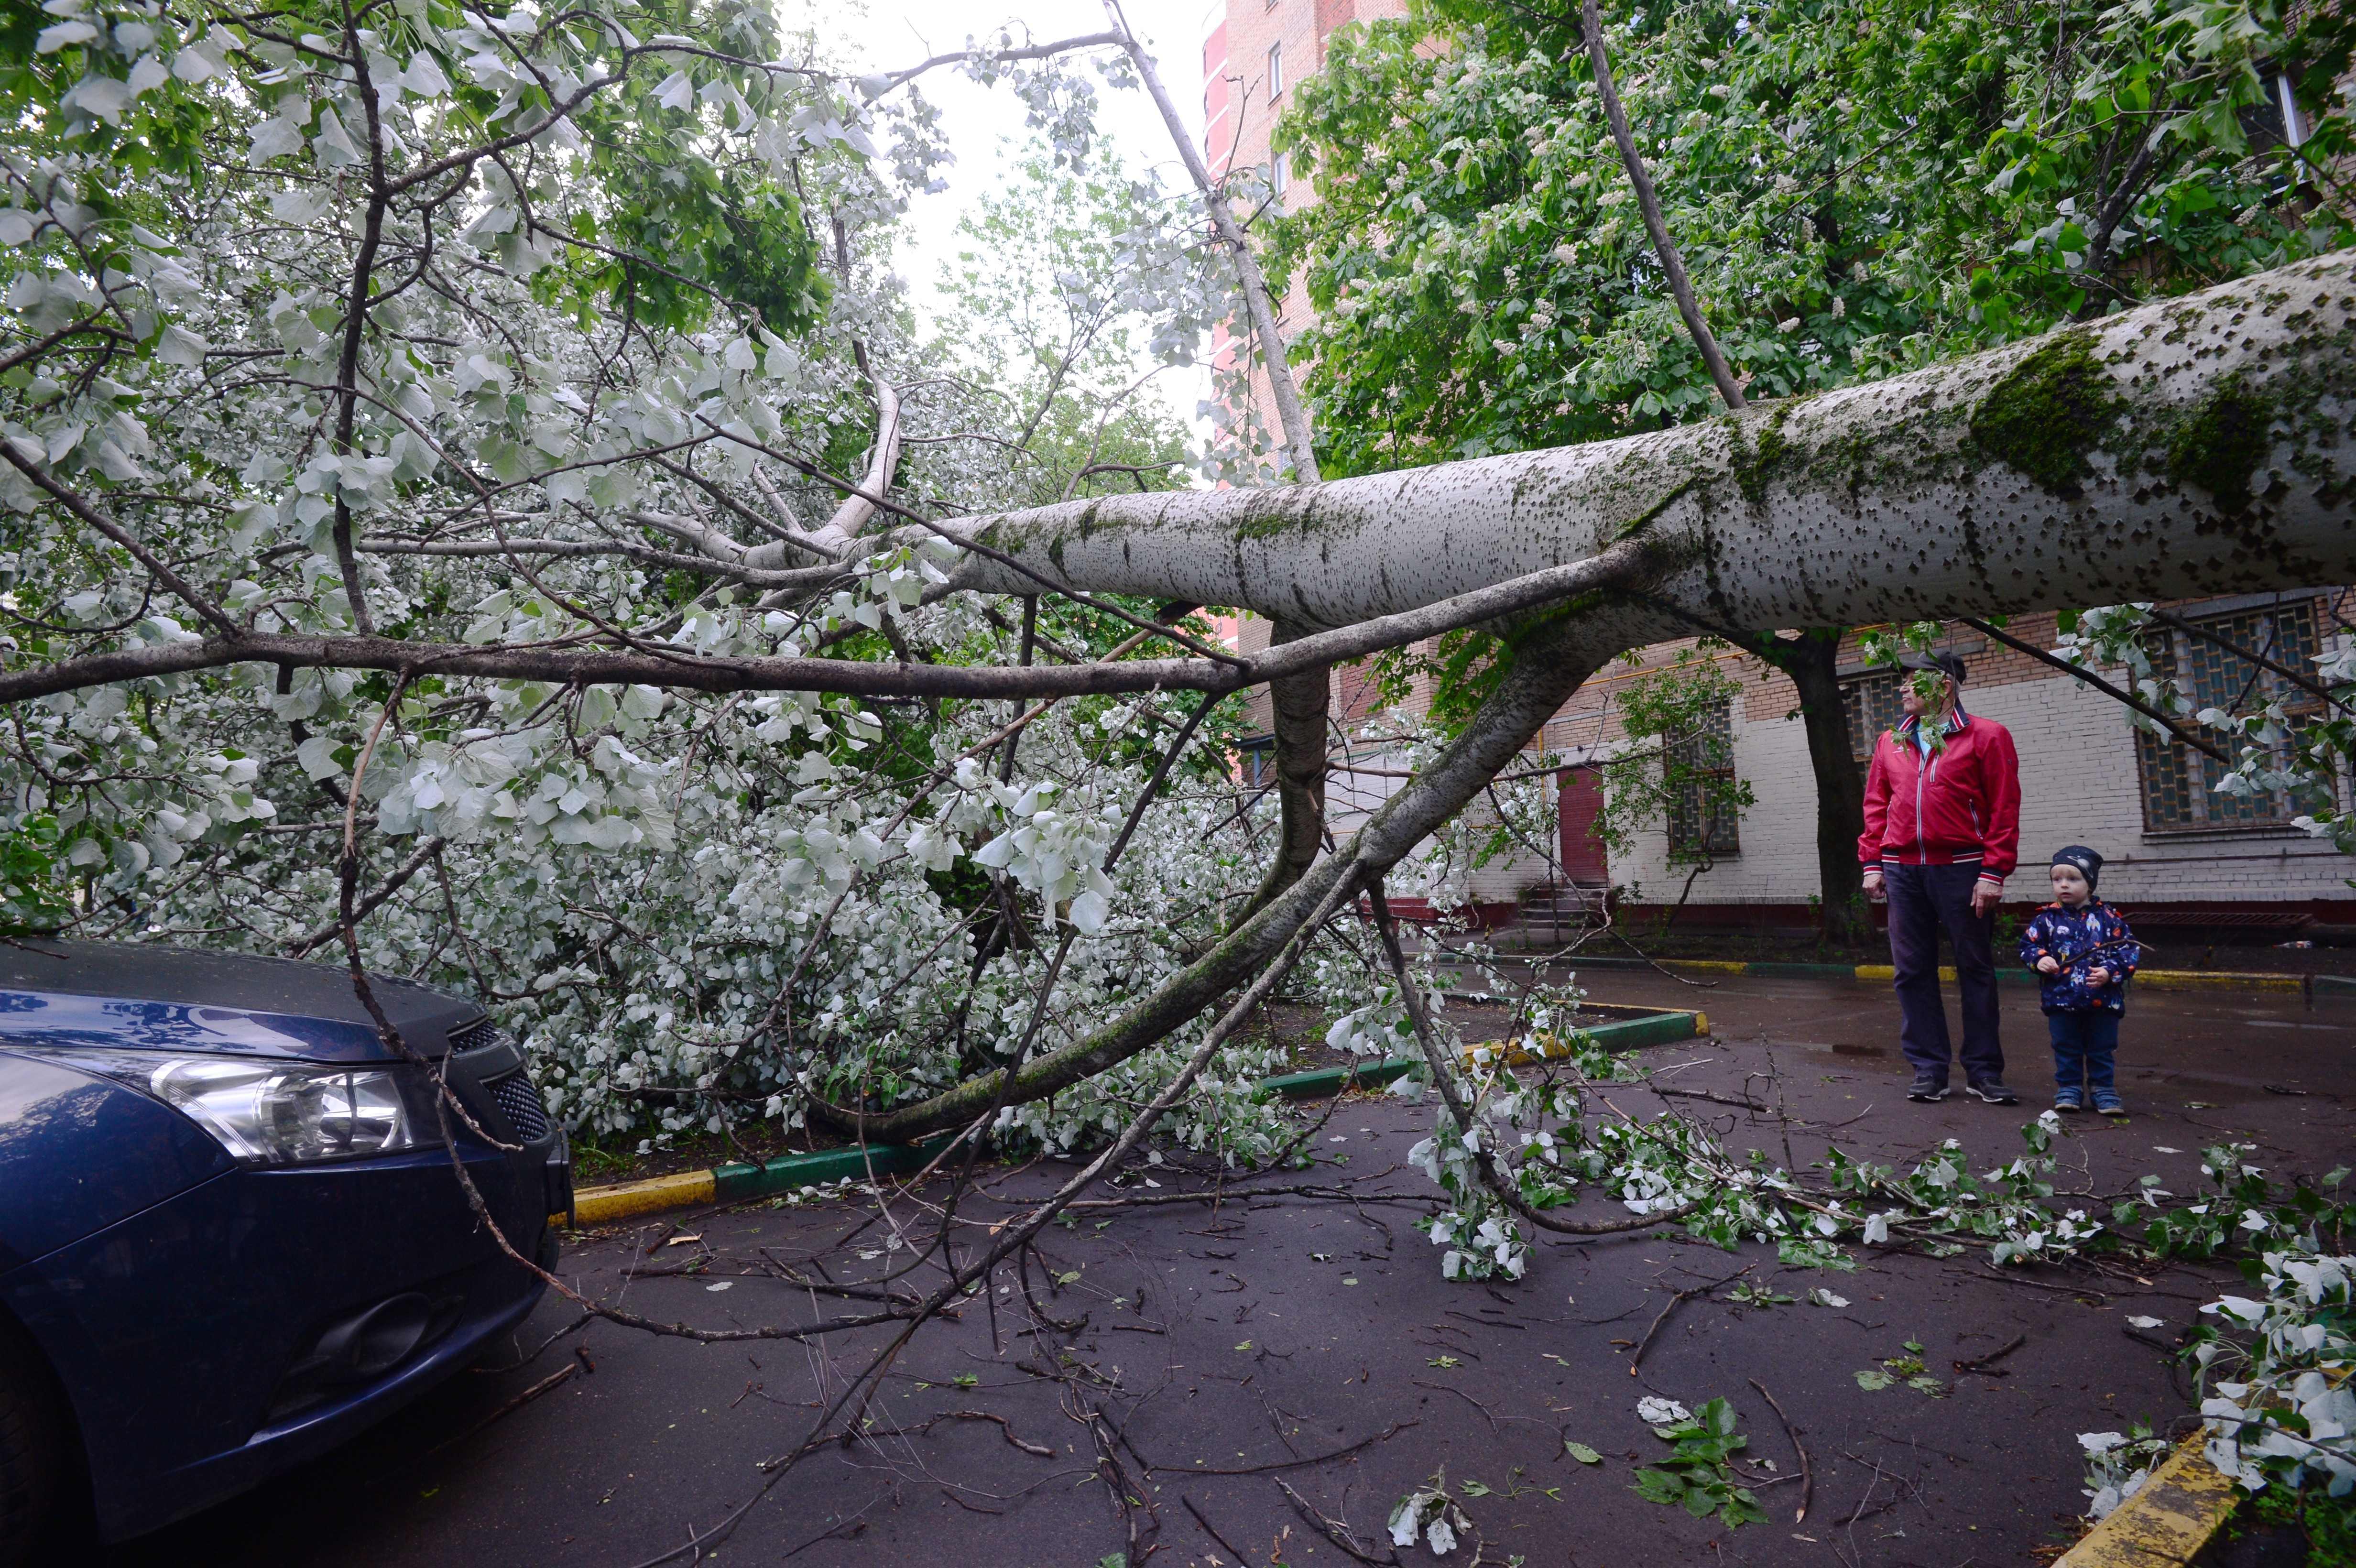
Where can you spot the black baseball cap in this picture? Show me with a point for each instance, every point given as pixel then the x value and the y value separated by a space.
pixel 1948 663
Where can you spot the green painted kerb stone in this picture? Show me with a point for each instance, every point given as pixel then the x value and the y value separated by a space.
pixel 2053 408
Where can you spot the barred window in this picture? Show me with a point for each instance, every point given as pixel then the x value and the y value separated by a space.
pixel 2179 785
pixel 1702 819
pixel 1872 704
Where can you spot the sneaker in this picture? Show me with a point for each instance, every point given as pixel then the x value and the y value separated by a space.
pixel 2069 1100
pixel 2108 1102
pixel 1993 1091
pixel 1927 1089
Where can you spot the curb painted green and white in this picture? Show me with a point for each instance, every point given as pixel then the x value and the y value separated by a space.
pixel 792 1172
pixel 2148 979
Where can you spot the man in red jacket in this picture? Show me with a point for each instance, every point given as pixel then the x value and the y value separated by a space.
pixel 1942 833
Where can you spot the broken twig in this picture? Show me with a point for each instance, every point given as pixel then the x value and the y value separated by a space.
pixel 1807 1472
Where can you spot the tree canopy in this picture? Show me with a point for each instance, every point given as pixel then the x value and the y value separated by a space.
pixel 475 492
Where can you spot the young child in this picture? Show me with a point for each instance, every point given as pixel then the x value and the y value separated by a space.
pixel 2083 948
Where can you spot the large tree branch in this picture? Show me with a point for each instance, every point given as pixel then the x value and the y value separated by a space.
pixel 1648 201
pixel 181 588
pixel 1882 504
pixel 1544 669
pixel 839 537
pixel 1907 499
pixel 1293 415
pixel 712 564
pixel 1298 704
pixel 571 664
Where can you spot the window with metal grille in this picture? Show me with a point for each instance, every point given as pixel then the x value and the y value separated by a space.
pixel 1873 707
pixel 1700 821
pixel 2179 785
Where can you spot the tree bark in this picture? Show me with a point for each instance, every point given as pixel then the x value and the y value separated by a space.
pixel 1301 703
pixel 1880 502
pixel 1810 660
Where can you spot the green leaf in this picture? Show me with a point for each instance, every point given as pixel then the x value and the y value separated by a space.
pixel 1659 1486
pixel 1873 1380
pixel 1583 1453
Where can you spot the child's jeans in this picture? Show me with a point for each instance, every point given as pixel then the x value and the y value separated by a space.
pixel 2085 1044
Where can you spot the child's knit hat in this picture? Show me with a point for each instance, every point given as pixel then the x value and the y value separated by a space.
pixel 2088 863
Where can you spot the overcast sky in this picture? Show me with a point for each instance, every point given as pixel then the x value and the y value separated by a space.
pixel 984 123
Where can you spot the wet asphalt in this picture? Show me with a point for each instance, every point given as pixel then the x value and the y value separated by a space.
pixel 1311 1342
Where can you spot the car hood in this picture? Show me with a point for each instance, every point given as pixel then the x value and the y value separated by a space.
pixel 146 997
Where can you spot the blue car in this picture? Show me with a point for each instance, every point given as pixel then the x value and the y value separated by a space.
pixel 230 1230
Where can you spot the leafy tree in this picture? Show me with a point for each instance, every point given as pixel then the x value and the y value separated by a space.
pixel 1857 186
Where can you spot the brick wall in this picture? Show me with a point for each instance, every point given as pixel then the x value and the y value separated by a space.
pixel 2079 785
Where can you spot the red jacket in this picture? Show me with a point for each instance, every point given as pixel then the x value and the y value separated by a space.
pixel 1959 808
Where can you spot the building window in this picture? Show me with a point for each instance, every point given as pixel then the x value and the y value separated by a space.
pixel 2179 785
pixel 1280 173
pixel 1703 824
pixel 1873 707
pixel 1275 71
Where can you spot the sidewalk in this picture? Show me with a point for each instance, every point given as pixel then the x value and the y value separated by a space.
pixel 2007 975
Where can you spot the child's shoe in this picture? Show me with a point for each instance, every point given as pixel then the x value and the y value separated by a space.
pixel 2108 1102
pixel 2069 1100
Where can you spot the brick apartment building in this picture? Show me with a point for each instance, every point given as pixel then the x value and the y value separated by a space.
pixel 2186 860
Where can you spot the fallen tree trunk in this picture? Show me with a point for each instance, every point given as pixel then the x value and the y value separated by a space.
pixel 2199 446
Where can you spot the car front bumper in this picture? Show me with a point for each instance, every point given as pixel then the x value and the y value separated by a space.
pixel 172 1332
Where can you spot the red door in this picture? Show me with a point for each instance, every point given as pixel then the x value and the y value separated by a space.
pixel 1582 803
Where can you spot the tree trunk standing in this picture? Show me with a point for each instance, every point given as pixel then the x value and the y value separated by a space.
pixel 1810 660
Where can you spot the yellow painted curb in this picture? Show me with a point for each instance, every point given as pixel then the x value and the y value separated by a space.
pixel 1708 965
pixel 2169 1519
pixel 2199 980
pixel 2149 979
pixel 601 1205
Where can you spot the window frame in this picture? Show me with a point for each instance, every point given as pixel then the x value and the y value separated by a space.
pixel 1717 835
pixel 2165 768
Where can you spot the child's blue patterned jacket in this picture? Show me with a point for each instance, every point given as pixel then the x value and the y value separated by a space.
pixel 2080 939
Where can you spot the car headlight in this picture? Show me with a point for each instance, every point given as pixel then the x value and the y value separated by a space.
pixel 290 1112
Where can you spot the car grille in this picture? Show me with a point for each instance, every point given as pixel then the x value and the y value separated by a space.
pixel 473 1036
pixel 522 1104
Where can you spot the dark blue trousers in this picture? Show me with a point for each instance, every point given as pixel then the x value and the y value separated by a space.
pixel 2085 1048
pixel 1924 899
